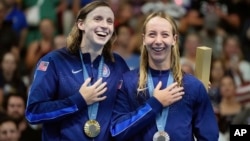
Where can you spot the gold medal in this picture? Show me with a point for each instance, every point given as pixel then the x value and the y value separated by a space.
pixel 92 128
pixel 161 136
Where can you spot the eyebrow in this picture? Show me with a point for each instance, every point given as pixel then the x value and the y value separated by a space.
pixel 160 32
pixel 101 16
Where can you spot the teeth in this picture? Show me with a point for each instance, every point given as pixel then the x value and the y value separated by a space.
pixel 158 49
pixel 101 33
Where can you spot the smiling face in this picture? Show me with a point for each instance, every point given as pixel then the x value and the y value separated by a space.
pixel 159 39
pixel 98 26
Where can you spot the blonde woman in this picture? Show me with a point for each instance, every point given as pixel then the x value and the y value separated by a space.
pixel 158 101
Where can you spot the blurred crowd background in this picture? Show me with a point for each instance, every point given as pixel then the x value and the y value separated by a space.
pixel 223 25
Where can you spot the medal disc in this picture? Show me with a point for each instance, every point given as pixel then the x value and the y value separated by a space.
pixel 92 128
pixel 161 136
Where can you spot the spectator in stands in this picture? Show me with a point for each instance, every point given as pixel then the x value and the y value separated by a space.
pixel 216 74
pixel 41 47
pixel 8 129
pixel 125 13
pixel 229 20
pixel 48 10
pixel 229 107
pixel 234 60
pixel 18 20
pixel 8 38
pixel 191 42
pixel 212 35
pixel 123 48
pixel 14 106
pixel 10 78
pixel 192 21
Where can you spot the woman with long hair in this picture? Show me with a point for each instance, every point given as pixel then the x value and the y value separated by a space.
pixel 158 101
pixel 73 91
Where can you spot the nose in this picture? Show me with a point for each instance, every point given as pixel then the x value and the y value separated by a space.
pixel 104 24
pixel 9 135
pixel 158 41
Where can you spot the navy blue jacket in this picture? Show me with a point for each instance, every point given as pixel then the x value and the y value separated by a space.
pixel 55 101
pixel 135 112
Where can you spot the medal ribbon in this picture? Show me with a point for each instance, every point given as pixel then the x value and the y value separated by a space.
pixel 161 118
pixel 93 108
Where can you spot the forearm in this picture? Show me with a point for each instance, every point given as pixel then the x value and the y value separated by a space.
pixel 39 111
pixel 123 125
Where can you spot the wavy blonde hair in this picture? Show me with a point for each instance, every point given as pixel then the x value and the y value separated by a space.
pixel 175 55
pixel 75 36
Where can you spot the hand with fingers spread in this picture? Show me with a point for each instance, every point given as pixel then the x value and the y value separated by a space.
pixel 168 95
pixel 93 93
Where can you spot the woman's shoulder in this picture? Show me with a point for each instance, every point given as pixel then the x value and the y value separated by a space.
pixel 130 78
pixel 117 57
pixel 132 72
pixel 191 82
pixel 58 53
pixel 190 78
pixel 131 75
pixel 120 62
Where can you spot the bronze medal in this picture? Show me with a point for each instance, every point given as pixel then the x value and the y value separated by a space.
pixel 92 128
pixel 161 136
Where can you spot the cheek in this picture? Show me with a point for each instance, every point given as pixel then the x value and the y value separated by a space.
pixel 148 41
pixel 147 48
pixel 168 41
pixel 89 26
pixel 109 27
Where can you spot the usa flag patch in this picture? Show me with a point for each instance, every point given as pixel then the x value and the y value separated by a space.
pixel 43 66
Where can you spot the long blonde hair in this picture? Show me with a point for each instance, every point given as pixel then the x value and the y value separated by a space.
pixel 175 55
pixel 75 36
